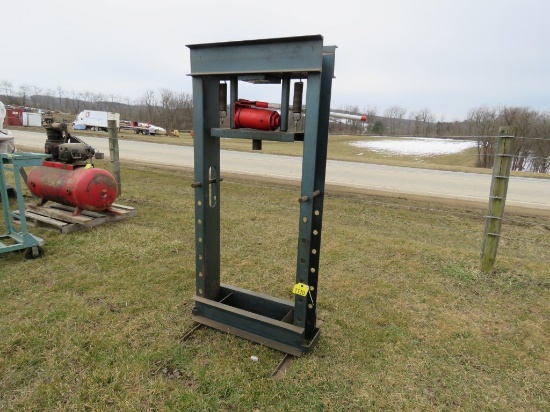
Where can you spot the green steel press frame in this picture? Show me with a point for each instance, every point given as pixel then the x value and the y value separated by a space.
pixel 290 327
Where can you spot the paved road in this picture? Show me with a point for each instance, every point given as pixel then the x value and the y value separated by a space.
pixel 522 192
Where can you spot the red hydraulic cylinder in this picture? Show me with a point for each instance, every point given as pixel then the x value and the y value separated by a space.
pixel 254 118
pixel 87 189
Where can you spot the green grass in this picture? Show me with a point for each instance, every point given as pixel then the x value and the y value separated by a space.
pixel 409 322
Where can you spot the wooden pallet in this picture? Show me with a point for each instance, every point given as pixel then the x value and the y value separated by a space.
pixel 61 217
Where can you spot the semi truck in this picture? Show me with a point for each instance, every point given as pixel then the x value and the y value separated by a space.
pixel 95 120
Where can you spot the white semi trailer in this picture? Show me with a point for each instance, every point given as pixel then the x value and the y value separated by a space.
pixel 95 120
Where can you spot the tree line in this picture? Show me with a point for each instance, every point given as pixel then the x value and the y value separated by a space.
pixel 169 109
pixel 174 110
pixel 532 127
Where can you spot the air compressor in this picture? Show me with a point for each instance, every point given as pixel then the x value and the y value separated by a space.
pixel 67 177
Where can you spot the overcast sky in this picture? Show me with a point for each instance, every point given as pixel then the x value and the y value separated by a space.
pixel 447 55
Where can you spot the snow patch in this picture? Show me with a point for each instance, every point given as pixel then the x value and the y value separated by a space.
pixel 419 146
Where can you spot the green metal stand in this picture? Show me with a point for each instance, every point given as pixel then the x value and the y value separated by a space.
pixel 290 327
pixel 14 239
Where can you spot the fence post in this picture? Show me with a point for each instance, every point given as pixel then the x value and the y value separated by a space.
pixel 113 152
pixel 497 197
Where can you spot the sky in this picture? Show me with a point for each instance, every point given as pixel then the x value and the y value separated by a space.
pixel 449 56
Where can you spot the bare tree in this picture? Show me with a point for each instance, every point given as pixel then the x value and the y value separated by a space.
pixel 167 108
pixel 50 99
pixel 61 93
pixel 370 112
pixel 539 159
pixel 7 88
pixel 127 111
pixel 149 101
pixel 24 91
pixel 76 102
pixel 97 98
pixel 114 100
pixel 483 124
pixel 36 94
pixel 395 115
pixel 175 110
pixel 88 99
pixel 423 122
pixel 354 126
pixel 523 119
pixel 185 111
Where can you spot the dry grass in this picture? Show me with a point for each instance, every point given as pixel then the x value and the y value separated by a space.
pixel 410 323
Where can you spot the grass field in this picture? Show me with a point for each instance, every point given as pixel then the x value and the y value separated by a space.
pixel 409 322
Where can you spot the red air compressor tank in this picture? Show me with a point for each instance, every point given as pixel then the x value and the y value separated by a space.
pixel 84 188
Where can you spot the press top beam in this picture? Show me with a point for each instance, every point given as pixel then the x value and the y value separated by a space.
pixel 294 56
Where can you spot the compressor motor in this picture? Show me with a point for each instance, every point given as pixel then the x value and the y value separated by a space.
pixel 66 148
pixel 73 152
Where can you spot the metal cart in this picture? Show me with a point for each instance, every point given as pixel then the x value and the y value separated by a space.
pixel 18 239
